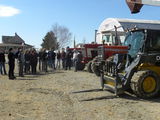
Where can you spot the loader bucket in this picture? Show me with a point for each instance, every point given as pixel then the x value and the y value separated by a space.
pixel 134 5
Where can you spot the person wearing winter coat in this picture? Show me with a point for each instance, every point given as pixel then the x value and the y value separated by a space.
pixel 21 62
pixel 33 61
pixel 11 63
pixel 40 59
pixel 27 61
pixel 44 60
pixel 2 62
pixel 68 59
pixel 63 58
pixel 58 60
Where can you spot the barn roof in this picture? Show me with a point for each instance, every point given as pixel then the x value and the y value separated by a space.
pixel 125 24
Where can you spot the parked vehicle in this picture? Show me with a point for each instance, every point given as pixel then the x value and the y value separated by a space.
pixel 139 69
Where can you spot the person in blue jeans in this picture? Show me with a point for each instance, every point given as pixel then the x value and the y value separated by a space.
pixel 51 59
pixel 58 60
pixel 2 62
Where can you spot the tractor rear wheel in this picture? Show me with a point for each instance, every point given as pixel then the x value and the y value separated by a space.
pixel 89 67
pixel 95 69
pixel 81 66
pixel 145 84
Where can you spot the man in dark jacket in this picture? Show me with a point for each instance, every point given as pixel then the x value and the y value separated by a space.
pixel 33 61
pixel 40 59
pixel 58 59
pixel 44 60
pixel 27 58
pixel 78 60
pixel 50 60
pixel 68 59
pixel 54 59
pixel 21 61
pixel 11 63
pixel 2 62
pixel 63 57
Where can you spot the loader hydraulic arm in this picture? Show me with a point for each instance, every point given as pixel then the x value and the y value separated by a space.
pixel 136 5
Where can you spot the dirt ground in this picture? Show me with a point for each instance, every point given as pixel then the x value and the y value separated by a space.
pixel 69 95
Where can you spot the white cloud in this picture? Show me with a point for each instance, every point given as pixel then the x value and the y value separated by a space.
pixel 7 11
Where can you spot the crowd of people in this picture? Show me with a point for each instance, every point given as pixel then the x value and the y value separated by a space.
pixel 30 60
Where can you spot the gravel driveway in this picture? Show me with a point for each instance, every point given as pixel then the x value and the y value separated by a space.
pixel 68 95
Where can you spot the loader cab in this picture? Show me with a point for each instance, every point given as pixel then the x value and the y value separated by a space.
pixel 144 41
pixel 135 41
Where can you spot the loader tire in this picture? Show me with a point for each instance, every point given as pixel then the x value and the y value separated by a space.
pixel 89 67
pixel 145 84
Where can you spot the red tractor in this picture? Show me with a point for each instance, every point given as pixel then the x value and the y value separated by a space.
pixel 89 51
pixel 105 53
pixel 92 55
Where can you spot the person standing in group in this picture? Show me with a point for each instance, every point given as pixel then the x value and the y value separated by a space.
pixel 79 58
pixel 27 61
pixel 2 62
pixel 11 63
pixel 54 58
pixel 75 59
pixel 58 59
pixel 44 60
pixel 63 57
pixel 50 59
pixel 33 61
pixel 40 59
pixel 21 61
pixel 68 59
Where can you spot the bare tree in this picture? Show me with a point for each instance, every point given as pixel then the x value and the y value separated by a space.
pixel 62 34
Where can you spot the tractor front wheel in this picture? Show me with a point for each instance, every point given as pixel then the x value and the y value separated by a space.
pixel 89 67
pixel 145 84
pixel 95 69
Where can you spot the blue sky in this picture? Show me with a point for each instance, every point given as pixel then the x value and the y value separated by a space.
pixel 32 19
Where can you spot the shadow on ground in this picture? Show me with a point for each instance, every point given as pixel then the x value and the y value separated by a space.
pixel 25 79
pixel 84 91
pixel 39 74
pixel 126 96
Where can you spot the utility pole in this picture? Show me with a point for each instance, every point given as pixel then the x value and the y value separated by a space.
pixel 74 42
pixel 95 36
